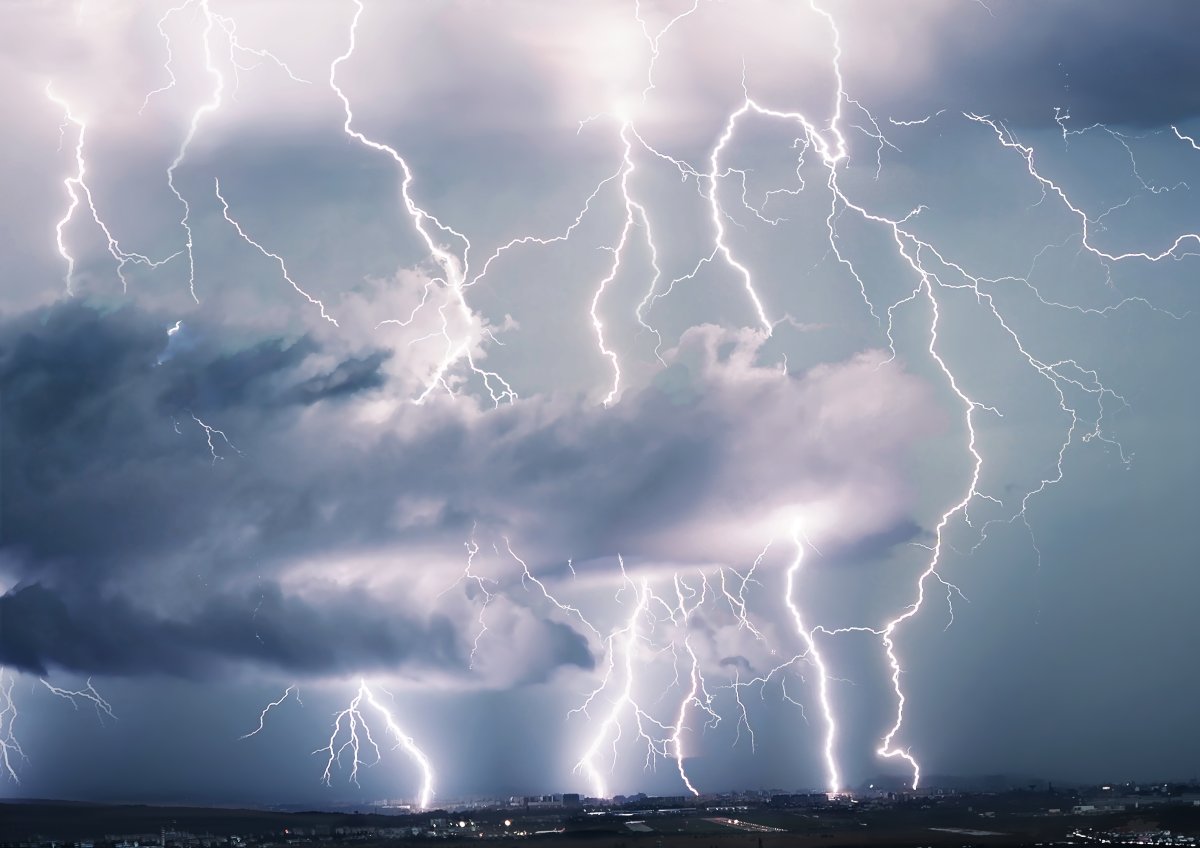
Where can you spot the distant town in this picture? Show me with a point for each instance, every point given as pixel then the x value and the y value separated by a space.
pixel 1030 814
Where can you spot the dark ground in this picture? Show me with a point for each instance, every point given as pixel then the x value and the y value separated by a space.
pixel 1014 824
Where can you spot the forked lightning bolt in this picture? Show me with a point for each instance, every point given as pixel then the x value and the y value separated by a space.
pixel 352 736
pixel 88 693
pixel 77 185
pixel 11 752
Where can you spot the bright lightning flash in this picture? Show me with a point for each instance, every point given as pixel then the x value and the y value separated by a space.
pixel 352 736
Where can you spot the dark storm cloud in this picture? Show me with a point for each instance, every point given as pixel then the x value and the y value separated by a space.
pixel 102 459
pixel 1132 64
pixel 42 629
pixel 117 516
pixel 91 484
pixel 348 632
pixel 92 439
pixel 252 376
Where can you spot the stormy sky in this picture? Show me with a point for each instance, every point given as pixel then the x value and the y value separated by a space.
pixel 595 383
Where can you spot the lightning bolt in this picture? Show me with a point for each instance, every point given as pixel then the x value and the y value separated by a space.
pixel 528 576
pixel 833 776
pixel 169 64
pixel 211 105
pixel 229 27
pixel 76 185
pixel 278 259
pixel 209 432
pixel 693 697
pixel 10 745
pixel 481 583
pixel 425 224
pixel 1185 138
pixel 738 602
pixel 622 646
pixel 618 683
pixel 1085 222
pixel 88 693
pixel 631 210
pixel 292 691
pixel 1061 375
pixel 11 752
pixel 623 640
pixel 352 733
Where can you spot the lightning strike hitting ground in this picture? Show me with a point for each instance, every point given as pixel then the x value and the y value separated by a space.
pixel 352 734
pixel 654 627
pixel 1061 374
pixel 833 776
pixel 623 641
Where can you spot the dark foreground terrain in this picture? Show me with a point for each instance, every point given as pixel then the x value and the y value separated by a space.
pixel 987 820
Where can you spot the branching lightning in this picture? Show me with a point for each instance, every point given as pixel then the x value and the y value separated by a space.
pixel 11 752
pixel 933 271
pixel 77 184
pixel 623 641
pixel 88 693
pixel 481 583
pixel 209 432
pixel 454 269
pixel 351 735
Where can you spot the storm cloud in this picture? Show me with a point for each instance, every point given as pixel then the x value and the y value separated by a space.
pixel 123 517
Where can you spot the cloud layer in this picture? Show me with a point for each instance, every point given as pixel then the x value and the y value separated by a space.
pixel 308 539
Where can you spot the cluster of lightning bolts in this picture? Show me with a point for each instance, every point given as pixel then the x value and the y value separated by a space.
pixel 660 628
pixel 655 617
pixel 651 630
